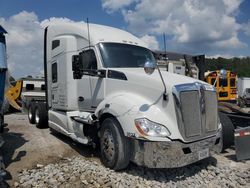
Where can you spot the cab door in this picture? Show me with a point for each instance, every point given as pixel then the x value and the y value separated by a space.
pixel 96 82
pixel 91 87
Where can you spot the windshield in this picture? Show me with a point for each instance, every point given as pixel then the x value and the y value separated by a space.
pixel 124 55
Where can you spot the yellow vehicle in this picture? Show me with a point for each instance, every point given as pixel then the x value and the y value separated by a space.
pixel 12 95
pixel 22 92
pixel 225 83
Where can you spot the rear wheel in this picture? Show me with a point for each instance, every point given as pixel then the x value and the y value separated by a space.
pixel 31 113
pixel 227 138
pixel 115 147
pixel 41 116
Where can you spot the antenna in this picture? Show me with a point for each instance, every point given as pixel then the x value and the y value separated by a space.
pixel 165 95
pixel 165 51
pixel 88 31
pixel 165 48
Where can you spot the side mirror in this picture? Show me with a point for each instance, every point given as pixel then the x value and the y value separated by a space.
pixel 149 67
pixel 77 67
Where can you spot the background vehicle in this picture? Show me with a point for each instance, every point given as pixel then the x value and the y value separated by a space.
pixel 225 86
pixel 3 69
pixel 12 96
pixel 184 64
pixel 24 91
pixel 243 88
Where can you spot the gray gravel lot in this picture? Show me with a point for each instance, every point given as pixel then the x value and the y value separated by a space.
pixel 37 158
pixel 81 172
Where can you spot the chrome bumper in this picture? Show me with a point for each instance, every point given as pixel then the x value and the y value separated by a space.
pixel 170 154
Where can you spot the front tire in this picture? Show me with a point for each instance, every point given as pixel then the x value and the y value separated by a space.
pixel 115 147
pixel 227 138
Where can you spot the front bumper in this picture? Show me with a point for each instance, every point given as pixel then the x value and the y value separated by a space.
pixel 171 154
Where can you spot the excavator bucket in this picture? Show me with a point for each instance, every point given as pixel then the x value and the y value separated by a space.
pixel 13 94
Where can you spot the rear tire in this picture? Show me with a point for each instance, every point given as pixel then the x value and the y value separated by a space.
pixel 41 116
pixel 115 147
pixel 227 137
pixel 31 113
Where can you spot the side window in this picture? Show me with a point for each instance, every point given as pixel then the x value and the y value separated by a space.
pixel 54 72
pixel 213 81
pixel 232 82
pixel 55 43
pixel 30 87
pixel 43 87
pixel 88 59
pixel 223 82
pixel 248 91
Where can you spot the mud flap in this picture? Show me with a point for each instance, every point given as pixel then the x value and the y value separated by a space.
pixel 242 140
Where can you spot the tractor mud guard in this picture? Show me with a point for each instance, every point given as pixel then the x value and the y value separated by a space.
pixel 242 140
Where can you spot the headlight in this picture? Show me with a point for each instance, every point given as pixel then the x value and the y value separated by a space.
pixel 149 128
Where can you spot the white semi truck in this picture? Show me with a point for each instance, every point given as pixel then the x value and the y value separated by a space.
pixel 101 87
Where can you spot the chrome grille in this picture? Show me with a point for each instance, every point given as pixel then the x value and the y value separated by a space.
pixel 196 110
pixel 191 113
pixel 211 111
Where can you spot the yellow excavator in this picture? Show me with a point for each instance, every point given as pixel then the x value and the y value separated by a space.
pixel 23 91
pixel 13 94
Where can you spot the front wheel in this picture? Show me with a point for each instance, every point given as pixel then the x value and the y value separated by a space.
pixel 227 138
pixel 115 147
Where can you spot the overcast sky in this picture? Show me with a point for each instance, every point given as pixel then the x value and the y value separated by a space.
pixel 211 27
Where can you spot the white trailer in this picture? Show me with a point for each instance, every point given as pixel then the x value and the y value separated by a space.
pixel 243 91
pixel 97 91
pixel 33 94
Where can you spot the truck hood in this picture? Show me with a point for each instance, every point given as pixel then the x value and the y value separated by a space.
pixel 140 96
pixel 138 75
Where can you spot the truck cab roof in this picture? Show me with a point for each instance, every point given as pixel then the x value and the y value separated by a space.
pixel 97 33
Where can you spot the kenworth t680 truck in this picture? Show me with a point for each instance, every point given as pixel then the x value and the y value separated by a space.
pixel 101 88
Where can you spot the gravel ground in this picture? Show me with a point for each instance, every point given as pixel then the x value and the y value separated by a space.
pixel 55 161
pixel 82 172
pixel 26 146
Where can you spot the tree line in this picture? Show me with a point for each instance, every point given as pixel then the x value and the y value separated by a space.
pixel 241 66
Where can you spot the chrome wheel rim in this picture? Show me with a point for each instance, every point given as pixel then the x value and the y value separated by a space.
pixel 108 145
